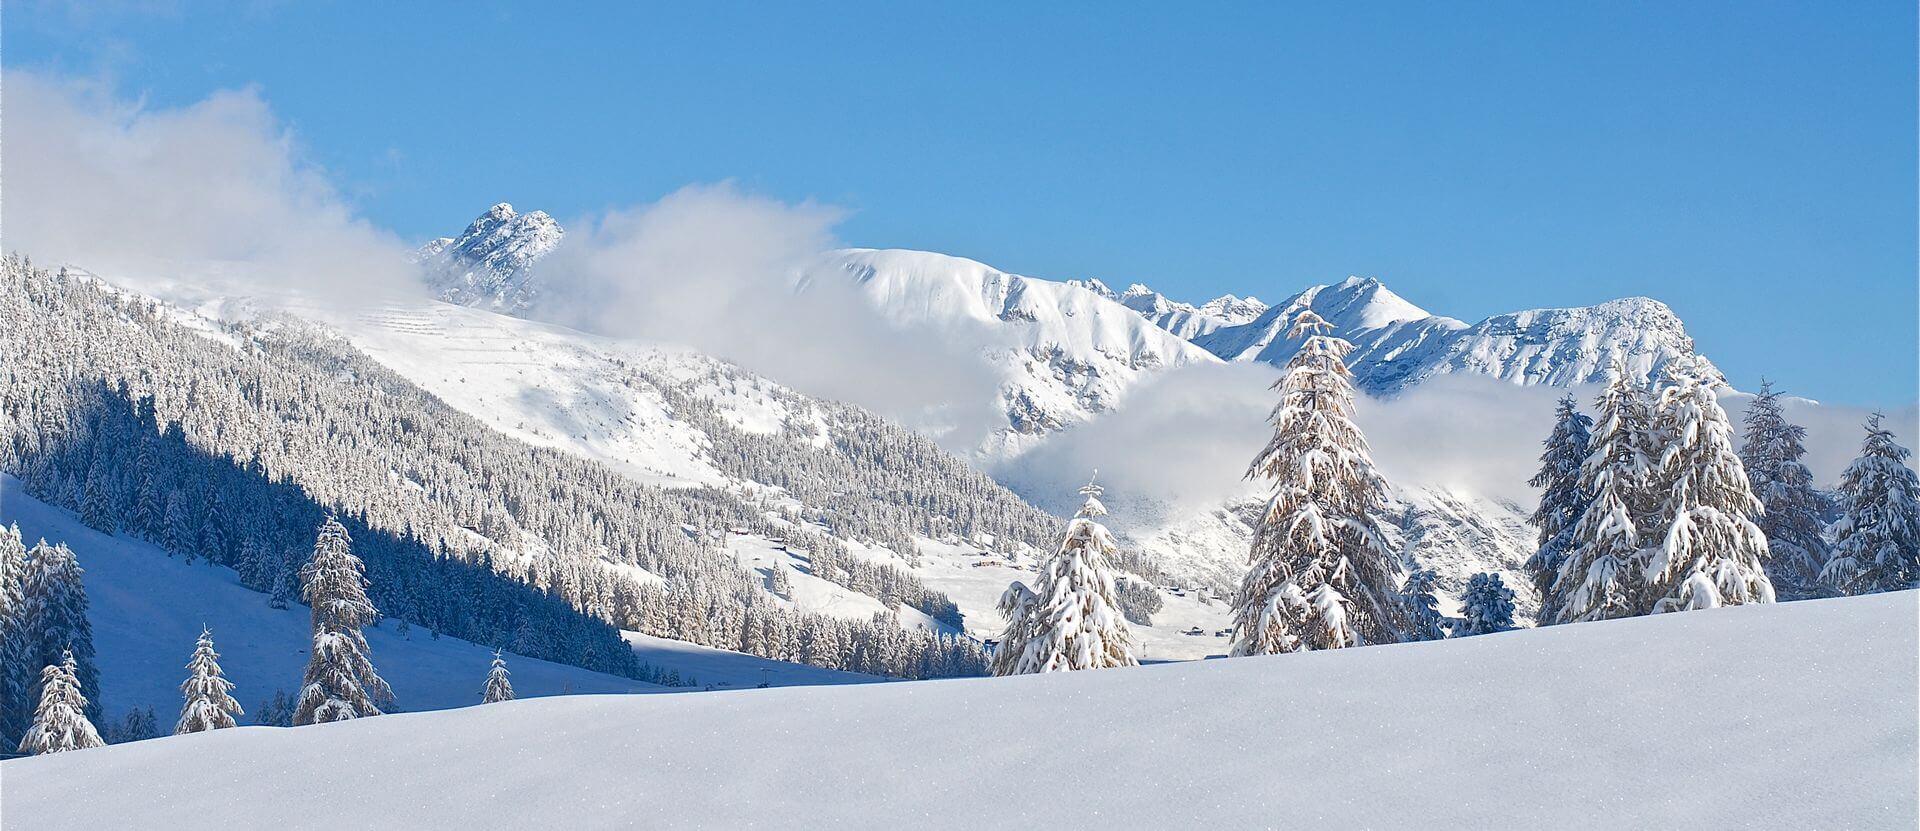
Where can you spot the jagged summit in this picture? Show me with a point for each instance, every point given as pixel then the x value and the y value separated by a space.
pixel 1397 344
pixel 1187 320
pixel 490 265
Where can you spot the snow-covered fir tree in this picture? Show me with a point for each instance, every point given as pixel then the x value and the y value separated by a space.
pixel 139 724
pixel 60 722
pixel 1423 608
pixel 1794 510
pixel 1486 606
pixel 1563 499
pixel 1598 579
pixel 16 704
pixel 56 618
pixel 285 578
pixel 209 700
pixel 1876 540
pixel 781 584
pixel 498 687
pixel 1071 618
pixel 1711 551
pixel 1322 577
pixel 340 682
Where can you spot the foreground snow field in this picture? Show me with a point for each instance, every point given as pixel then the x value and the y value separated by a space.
pixel 1797 715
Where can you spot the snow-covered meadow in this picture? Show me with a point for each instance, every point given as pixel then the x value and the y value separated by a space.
pixel 1796 715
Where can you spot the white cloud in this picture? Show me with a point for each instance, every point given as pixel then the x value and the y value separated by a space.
pixel 1834 433
pixel 1464 432
pixel 1182 442
pixel 715 268
pixel 213 194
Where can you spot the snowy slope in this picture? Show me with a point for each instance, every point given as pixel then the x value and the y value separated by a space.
pixel 556 387
pixel 147 609
pixel 1789 716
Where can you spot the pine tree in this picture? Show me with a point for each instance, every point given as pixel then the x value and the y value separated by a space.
pixel 1071 619
pixel 97 509
pixel 284 580
pixel 60 722
pixel 138 725
pixel 1322 576
pixel 1563 498
pixel 782 584
pixel 1876 544
pixel 1711 552
pixel 56 618
pixel 1487 606
pixel 1423 609
pixel 209 700
pixel 1792 520
pixel 179 535
pixel 340 682
pixel 498 687
pixel 16 704
pixel 1597 580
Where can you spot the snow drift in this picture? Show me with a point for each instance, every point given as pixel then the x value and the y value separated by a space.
pixel 1791 715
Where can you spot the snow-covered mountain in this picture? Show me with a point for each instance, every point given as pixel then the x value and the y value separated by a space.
pixel 1187 320
pixel 1183 319
pixel 490 265
pixel 1068 351
pixel 1708 719
pixel 1065 352
pixel 1398 344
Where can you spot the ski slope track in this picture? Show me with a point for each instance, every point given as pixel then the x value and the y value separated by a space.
pixel 1710 719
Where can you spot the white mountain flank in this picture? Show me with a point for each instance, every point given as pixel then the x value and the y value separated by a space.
pixel 1065 352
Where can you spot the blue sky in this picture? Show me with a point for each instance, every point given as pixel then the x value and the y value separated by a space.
pixel 1751 164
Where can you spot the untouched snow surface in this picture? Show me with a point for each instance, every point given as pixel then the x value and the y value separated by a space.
pixel 1798 715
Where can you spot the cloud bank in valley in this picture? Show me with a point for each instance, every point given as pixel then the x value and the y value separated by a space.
pixel 213 194
pixel 1183 441
pixel 716 268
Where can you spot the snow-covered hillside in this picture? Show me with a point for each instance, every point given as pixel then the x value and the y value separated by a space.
pixel 147 609
pixel 611 400
pixel 1795 715
pixel 554 387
